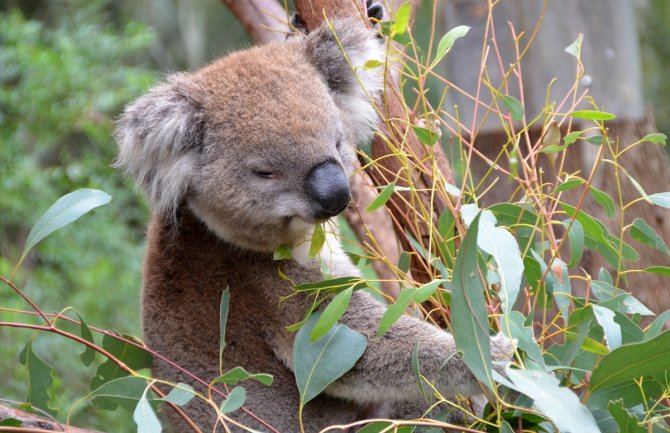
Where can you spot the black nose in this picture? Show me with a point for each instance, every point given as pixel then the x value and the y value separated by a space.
pixel 328 187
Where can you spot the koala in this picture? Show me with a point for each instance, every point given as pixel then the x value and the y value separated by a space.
pixel 238 159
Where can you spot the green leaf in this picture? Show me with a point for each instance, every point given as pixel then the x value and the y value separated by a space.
pixel 447 41
pixel 283 252
pixel 234 401
pixel 66 210
pixel 572 137
pixel 317 365
pixel 511 214
pixel 180 394
pixel 145 417
pixel 331 314
pixel 630 362
pixel 569 184
pixel 559 404
pixel 502 246
pixel 604 200
pixel 592 115
pixel 334 285
pixel 223 320
pixel 395 310
pixel 660 199
pixel 88 355
pixel 371 64
pixel 660 270
pixel 605 318
pixel 514 106
pixel 425 135
pixel 385 427
pixel 576 236
pixel 506 428
pixel 627 423
pixel 382 198
pixel 525 338
pixel 124 391
pixel 630 305
pixel 404 261
pixel 656 326
pixel 558 284
pixel 655 138
pixel 596 140
pixel 318 239
pixel 40 378
pixel 401 19
pixel 575 48
pixel 10 422
pixel 469 319
pixel 424 292
pixel 131 355
pixel 238 374
pixel 644 233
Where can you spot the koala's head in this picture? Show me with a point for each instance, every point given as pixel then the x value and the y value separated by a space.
pixel 260 144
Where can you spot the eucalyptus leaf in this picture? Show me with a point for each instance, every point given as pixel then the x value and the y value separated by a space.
pixel 627 423
pixel 395 310
pixel 604 200
pixel 180 394
pixel 612 330
pixel 468 311
pixel 655 138
pixel 642 232
pixel 88 355
pixel 630 362
pixel 331 314
pixel 592 115
pixel 447 41
pixel 316 365
pixel 660 199
pixel 401 18
pixel 40 378
pixel 502 245
pixel 223 320
pixel 238 374
pixel 514 106
pixel 65 210
pixel 561 405
pixel 145 417
pixel 569 184
pixel 382 198
pixel 234 401
pixel 125 392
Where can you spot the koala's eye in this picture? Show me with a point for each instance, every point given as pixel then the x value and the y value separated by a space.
pixel 338 144
pixel 265 174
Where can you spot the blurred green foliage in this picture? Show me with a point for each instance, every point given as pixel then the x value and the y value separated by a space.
pixel 654 27
pixel 61 85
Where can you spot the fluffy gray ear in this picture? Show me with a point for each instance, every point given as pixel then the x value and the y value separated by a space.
pixel 354 85
pixel 159 136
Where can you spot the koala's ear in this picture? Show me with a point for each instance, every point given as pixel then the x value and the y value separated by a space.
pixel 354 85
pixel 159 137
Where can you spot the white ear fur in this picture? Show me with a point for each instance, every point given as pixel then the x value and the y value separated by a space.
pixel 158 136
pixel 355 88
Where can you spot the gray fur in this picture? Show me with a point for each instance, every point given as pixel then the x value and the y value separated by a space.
pixel 195 146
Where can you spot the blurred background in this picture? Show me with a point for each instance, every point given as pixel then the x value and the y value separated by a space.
pixel 67 67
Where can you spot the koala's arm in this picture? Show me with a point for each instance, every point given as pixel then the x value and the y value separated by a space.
pixel 384 372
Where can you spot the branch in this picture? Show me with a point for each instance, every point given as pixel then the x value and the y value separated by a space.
pixel 32 423
pixel 264 20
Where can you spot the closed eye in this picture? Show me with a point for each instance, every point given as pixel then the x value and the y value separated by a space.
pixel 265 174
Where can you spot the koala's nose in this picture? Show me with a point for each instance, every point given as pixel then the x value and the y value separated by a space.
pixel 327 185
